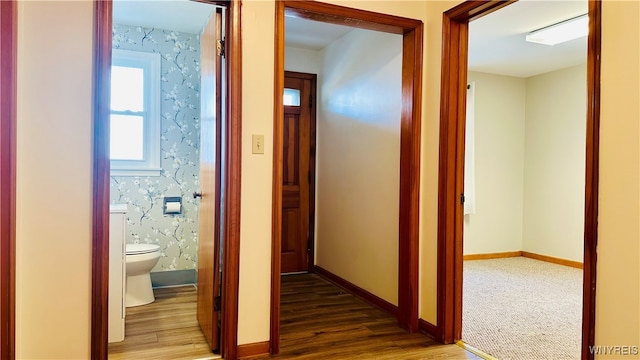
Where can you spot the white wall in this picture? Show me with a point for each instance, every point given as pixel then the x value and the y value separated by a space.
pixel 54 197
pixel 554 171
pixel 496 225
pixel 358 160
pixel 302 60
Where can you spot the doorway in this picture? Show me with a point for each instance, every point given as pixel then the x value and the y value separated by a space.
pixel 528 151
pixel 229 223
pixel 299 170
pixel 455 44
pixel 176 73
pixel 411 30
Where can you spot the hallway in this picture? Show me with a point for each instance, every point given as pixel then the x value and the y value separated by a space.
pixel 322 321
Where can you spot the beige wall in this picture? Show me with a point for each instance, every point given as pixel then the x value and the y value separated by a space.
pixel 496 225
pixel 258 23
pixel 358 160
pixel 53 237
pixel 554 163
pixel 53 277
pixel 618 273
pixel 529 157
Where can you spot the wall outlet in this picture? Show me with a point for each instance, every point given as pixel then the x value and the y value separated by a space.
pixel 257 142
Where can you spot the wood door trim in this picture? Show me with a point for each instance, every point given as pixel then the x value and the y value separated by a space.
pixel 100 263
pixel 450 181
pixel 219 171
pixel 340 15
pixel 276 202
pixel 253 349
pixel 591 179
pixel 412 31
pixel 231 239
pixel 8 122
pixel 101 167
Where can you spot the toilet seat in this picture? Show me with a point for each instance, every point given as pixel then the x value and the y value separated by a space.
pixel 138 249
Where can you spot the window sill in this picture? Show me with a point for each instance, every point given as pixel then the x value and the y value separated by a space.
pixel 136 172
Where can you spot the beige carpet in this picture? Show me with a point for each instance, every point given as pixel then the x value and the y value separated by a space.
pixel 520 308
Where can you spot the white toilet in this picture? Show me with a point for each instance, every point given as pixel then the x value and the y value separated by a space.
pixel 140 259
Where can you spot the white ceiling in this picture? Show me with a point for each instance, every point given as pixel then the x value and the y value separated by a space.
pixel 311 35
pixel 163 14
pixel 496 41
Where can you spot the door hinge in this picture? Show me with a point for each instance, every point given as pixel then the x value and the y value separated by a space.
pixel 461 199
pixel 220 48
pixel 217 303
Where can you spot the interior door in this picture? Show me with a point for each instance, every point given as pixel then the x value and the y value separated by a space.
pixel 298 172
pixel 210 208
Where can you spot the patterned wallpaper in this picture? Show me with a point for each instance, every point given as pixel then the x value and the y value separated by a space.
pixel 177 235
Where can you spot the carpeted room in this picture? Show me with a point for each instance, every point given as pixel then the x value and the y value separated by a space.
pixel 524 190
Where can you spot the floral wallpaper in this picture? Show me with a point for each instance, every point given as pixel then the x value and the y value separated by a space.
pixel 177 235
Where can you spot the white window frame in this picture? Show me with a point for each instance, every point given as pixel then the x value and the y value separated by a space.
pixel 150 165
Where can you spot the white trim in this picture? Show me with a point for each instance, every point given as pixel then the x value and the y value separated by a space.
pixel 150 166
pixel 136 172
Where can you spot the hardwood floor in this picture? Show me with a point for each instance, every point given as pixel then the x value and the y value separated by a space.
pixel 321 321
pixel 166 329
pixel 318 321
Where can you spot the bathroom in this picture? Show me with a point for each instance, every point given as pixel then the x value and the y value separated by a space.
pixel 161 209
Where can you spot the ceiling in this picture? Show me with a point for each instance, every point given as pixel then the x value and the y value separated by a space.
pixel 162 14
pixel 496 41
pixel 313 35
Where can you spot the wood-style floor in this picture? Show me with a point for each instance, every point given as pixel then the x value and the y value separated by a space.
pixel 318 321
pixel 166 329
pixel 321 321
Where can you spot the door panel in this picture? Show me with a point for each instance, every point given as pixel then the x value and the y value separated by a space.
pixel 297 177
pixel 210 173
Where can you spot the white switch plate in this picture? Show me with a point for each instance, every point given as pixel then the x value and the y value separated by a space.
pixel 257 142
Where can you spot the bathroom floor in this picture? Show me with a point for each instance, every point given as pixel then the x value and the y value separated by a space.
pixel 164 329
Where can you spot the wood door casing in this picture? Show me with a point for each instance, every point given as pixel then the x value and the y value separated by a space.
pixel 298 176
pixel 8 103
pixel 410 134
pixel 452 126
pixel 232 106
pixel 210 168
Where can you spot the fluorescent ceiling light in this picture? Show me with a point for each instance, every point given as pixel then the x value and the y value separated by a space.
pixel 561 32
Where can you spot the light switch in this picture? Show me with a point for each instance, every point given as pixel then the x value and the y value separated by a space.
pixel 257 144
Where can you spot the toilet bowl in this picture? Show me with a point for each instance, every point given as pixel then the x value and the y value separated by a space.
pixel 140 259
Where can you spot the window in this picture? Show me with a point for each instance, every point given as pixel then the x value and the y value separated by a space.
pixel 135 114
pixel 291 97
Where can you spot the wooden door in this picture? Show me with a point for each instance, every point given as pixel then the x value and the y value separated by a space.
pixel 298 174
pixel 209 213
